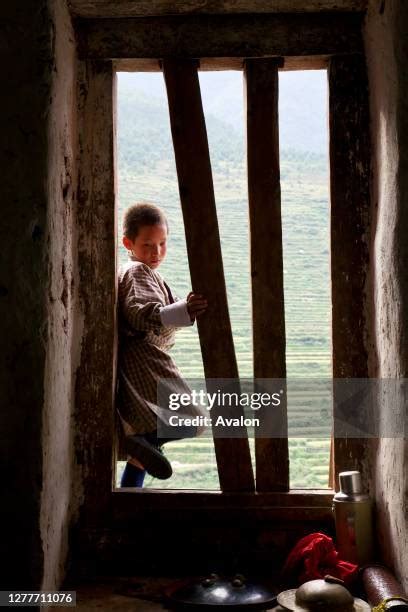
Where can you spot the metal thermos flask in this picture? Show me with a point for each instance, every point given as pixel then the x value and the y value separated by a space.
pixel 353 517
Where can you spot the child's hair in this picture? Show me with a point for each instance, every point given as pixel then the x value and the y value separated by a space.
pixel 139 214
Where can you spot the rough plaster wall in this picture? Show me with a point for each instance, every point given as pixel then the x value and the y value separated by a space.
pixel 39 324
pixel 64 320
pixel 386 28
pixel 26 50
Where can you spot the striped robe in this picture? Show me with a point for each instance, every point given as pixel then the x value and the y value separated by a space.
pixel 143 344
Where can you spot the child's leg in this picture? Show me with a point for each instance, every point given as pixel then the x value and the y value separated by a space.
pixel 147 452
pixel 134 472
pixel 186 431
pixel 159 441
pixel 135 462
pixel 132 476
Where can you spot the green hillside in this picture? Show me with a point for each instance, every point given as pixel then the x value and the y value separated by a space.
pixel 147 171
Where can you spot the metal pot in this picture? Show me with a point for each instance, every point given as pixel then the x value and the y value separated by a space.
pixel 214 592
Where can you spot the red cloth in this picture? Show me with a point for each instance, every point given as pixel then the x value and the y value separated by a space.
pixel 314 556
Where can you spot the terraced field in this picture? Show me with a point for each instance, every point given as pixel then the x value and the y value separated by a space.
pixel 307 288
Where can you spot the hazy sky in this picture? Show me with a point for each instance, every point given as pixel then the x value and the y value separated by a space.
pixel 302 102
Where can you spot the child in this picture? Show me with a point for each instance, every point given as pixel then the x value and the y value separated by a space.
pixel 148 318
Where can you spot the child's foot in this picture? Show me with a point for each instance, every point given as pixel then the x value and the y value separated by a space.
pixel 150 456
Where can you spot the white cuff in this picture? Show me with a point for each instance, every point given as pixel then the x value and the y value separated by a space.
pixel 176 315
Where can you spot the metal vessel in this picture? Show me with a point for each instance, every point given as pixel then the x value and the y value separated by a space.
pixel 353 516
pixel 214 592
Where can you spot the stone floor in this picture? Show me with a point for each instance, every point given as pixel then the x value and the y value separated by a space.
pixel 141 594
pixel 135 594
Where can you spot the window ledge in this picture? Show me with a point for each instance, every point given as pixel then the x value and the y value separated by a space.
pixel 295 505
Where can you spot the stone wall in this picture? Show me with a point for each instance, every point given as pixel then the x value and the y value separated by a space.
pixel 387 51
pixel 40 335
pixel 59 500
pixel 40 313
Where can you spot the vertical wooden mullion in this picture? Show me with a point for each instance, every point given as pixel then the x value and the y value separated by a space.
pixel 268 316
pixel 349 189
pixel 95 383
pixel 204 253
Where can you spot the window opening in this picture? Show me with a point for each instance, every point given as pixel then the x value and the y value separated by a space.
pixel 146 169
pixel 306 262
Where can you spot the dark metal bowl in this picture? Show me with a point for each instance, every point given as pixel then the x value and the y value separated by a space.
pixel 214 592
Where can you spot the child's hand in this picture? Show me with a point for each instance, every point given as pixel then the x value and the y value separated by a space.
pixel 196 305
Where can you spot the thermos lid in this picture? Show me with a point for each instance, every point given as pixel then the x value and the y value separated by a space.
pixel 350 483
pixel 351 488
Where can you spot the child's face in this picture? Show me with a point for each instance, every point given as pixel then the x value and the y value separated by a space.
pixel 150 245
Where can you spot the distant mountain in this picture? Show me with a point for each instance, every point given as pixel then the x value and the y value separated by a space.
pixel 302 103
pixel 147 171
pixel 144 135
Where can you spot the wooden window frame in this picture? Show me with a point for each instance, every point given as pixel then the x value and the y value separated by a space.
pixel 331 41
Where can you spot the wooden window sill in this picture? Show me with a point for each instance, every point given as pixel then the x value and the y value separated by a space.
pixel 295 505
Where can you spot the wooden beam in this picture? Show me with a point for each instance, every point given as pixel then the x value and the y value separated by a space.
pixel 313 62
pixel 350 205
pixel 233 532
pixel 217 36
pixel 154 65
pixel 148 8
pixel 223 512
pixel 268 313
pixel 148 499
pixel 95 382
pixel 204 253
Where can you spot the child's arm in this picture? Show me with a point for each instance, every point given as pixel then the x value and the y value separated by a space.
pixel 183 313
pixel 196 305
pixel 144 302
pixel 141 299
pixel 176 314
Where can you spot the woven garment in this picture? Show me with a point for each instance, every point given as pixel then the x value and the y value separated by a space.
pixel 143 344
